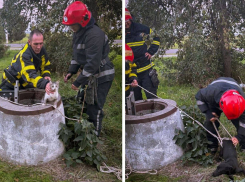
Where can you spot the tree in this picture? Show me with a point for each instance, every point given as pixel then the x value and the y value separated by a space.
pixel 205 31
pixel 13 21
pixel 47 15
pixel 3 48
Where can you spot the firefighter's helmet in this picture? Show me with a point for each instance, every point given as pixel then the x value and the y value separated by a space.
pixel 232 104
pixel 129 55
pixel 77 12
pixel 128 15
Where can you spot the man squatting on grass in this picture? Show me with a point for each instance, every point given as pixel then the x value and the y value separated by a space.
pixel 26 64
pixel 223 95
pixel 90 51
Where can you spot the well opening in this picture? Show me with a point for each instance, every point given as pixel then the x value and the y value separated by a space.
pixel 29 97
pixel 149 107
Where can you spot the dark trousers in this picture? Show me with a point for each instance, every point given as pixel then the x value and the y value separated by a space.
pixel 144 80
pixel 209 126
pixel 95 111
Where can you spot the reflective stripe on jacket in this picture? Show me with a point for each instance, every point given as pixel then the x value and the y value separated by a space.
pixel 90 50
pixel 130 73
pixel 25 66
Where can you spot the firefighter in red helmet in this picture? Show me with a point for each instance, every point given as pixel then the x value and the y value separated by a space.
pixel 90 51
pixel 130 70
pixel 223 95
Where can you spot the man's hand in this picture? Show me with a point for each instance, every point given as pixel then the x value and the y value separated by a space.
pixel 47 78
pixel 148 55
pixel 48 89
pixel 234 141
pixel 134 83
pixel 67 77
pixel 74 87
pixel 214 118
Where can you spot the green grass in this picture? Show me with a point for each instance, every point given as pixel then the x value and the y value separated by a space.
pixel 11 173
pixel 111 136
pixel 6 60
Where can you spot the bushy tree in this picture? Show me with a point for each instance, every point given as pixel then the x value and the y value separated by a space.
pixel 3 48
pixel 13 20
pixel 205 31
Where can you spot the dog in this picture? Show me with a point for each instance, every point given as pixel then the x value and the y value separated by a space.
pixel 230 165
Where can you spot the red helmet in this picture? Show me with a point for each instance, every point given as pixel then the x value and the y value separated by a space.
pixel 127 15
pixel 232 104
pixel 129 55
pixel 76 12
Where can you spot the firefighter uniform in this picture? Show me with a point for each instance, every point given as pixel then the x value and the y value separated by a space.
pixel 130 74
pixel 134 38
pixel 90 50
pixel 208 101
pixel 25 66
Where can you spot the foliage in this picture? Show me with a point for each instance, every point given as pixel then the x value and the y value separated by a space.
pixel 193 139
pixel 79 137
pixel 59 55
pixel 3 48
pixel 13 20
pixel 207 33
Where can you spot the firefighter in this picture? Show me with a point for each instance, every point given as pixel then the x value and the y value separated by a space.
pixel 26 64
pixel 147 76
pixel 223 95
pixel 90 51
pixel 130 70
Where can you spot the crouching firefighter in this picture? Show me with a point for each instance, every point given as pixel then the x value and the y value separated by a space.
pixel 90 50
pixel 223 95
pixel 26 64
pixel 147 76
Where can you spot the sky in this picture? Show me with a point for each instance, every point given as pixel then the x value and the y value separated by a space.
pixel 1 3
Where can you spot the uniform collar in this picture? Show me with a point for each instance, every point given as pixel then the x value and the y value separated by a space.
pixel 88 26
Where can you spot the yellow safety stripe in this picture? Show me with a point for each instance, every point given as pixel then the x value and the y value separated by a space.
pixel 127 72
pixel 156 42
pixel 132 65
pixel 44 65
pixel 145 68
pixel 46 71
pixel 131 44
pixel 25 84
pixel 127 87
pixel 132 74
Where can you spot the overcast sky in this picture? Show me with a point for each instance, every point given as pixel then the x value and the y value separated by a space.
pixel 1 3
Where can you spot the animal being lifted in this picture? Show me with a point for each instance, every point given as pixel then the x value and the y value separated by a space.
pixel 230 165
pixel 54 86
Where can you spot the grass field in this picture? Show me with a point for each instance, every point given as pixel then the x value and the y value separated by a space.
pixel 56 170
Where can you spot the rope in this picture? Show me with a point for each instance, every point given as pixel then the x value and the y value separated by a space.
pixel 107 169
pixel 220 139
pixel 181 111
pixel 130 170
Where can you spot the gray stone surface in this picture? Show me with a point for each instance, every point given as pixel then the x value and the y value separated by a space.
pixel 31 140
pixel 150 145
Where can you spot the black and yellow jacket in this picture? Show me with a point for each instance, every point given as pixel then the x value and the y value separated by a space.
pixel 134 38
pixel 90 51
pixel 130 73
pixel 25 66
